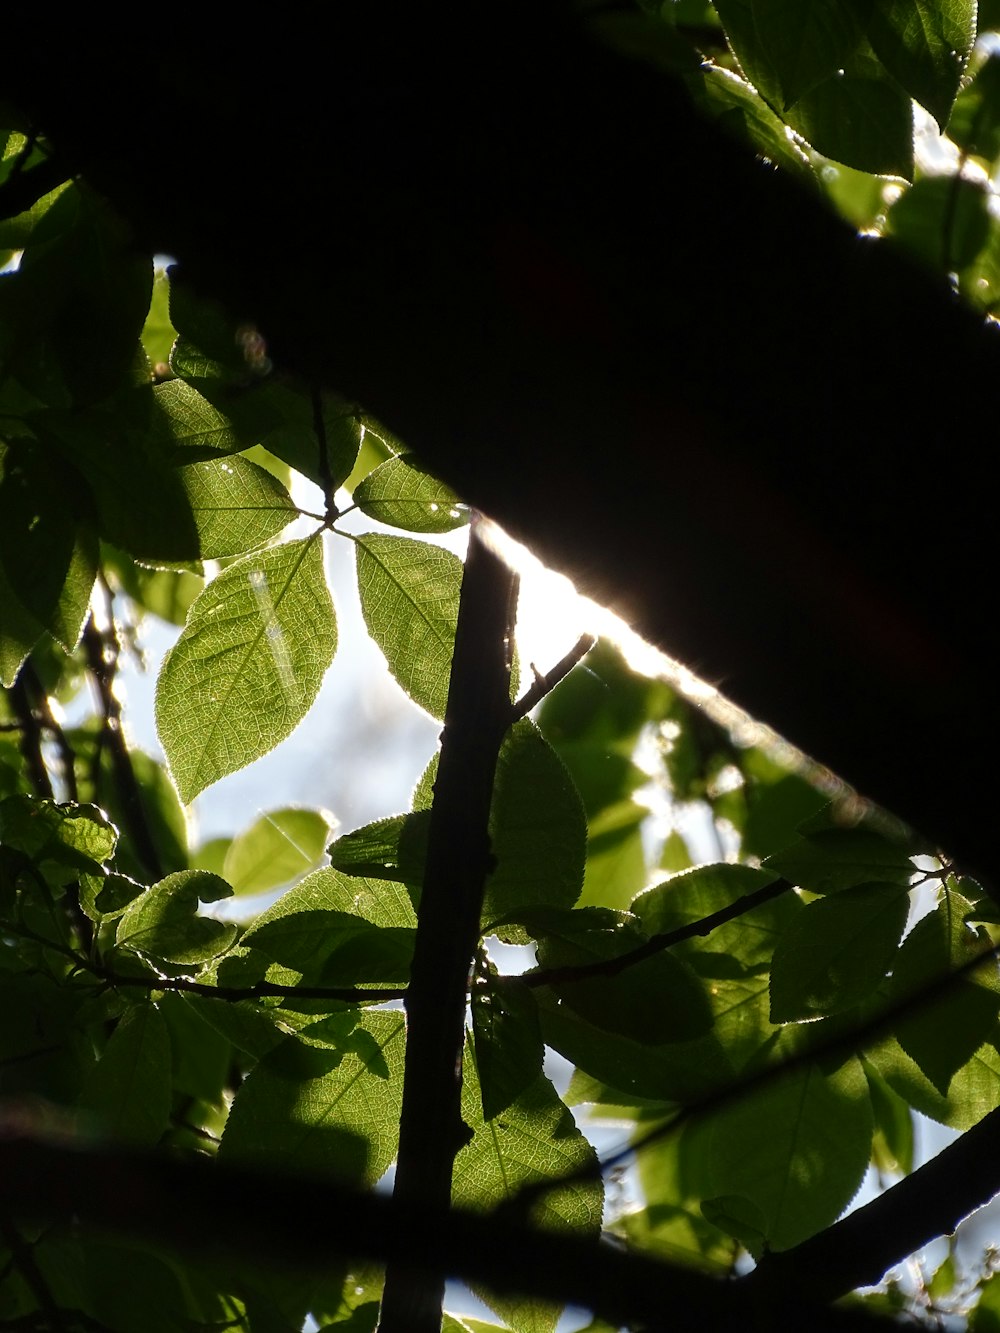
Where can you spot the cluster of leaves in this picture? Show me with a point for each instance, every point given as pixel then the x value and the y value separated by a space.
pixel 766 1024
pixel 827 89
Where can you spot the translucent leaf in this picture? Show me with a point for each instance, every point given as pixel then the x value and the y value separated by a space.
pixel 805 41
pixel 944 1031
pixel 248 665
pixel 740 108
pixel 860 118
pixel 797 1148
pixel 393 849
pixel 158 333
pixel 508 1040
pixel 409 597
pixel 237 505
pixel 381 903
pixel 538 831
pixel 534 1139
pixel 48 555
pixel 837 951
pixel 326 1101
pixel 692 895
pixel 653 1001
pixel 833 859
pixel 973 1090
pixel 19 632
pixel 321 948
pixel 892 1146
pixel 331 928
pixel 925 44
pixel 164 924
pixel 682 1072
pixel 79 837
pixel 280 846
pixel 184 420
pixel 129 1088
pixel 943 220
pixel 399 494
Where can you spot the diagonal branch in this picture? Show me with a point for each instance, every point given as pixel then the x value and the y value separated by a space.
pixel 477 716
pixel 857 1251
pixel 611 967
pixel 245 1213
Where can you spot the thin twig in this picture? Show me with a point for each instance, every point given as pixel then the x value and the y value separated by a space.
pixel 31 735
pixel 855 1039
pixel 611 967
pixel 543 684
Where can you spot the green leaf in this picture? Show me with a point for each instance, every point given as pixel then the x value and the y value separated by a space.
pixel 377 901
pixel 973 1091
pixel 738 1217
pixel 861 119
pixel 833 859
pixel 798 1149
pixel 805 41
pixel 684 1073
pixel 974 125
pixel 837 951
pixel 857 115
pixel 741 110
pixel 534 1139
pixel 393 849
pixel 399 494
pixel 925 45
pixel 237 506
pixel 19 632
pixel 331 929
pixel 409 598
pixel 129 1088
pixel 326 1101
pixel 77 837
pixel 158 333
pixel 943 220
pixel 164 924
pixel 538 832
pixel 692 895
pixel 280 846
pixel 653 1001
pixel 892 1146
pixel 47 548
pixel 508 1039
pixel 944 1022
pixel 248 665
pixel 186 421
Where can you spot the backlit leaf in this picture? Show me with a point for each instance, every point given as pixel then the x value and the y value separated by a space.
pixel 237 505
pixel 409 598
pixel 837 951
pixel 925 44
pixel 325 1101
pixel 164 923
pixel 128 1090
pixel 534 1139
pixel 280 846
pixel 797 1149
pixel 399 494
pixel 248 665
